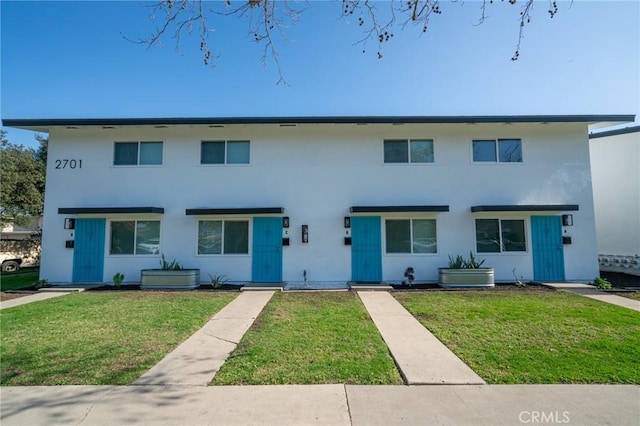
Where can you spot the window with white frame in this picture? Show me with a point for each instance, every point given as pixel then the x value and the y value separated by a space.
pixel 135 237
pixel 223 237
pixel 411 236
pixel 224 152
pixel 500 235
pixel 144 153
pixel 497 150
pixel 398 151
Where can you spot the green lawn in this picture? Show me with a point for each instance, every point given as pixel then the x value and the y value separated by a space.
pixel 304 338
pixel 533 336
pixel 17 280
pixel 98 337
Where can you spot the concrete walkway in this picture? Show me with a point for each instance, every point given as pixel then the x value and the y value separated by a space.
pixel 321 405
pixel 30 298
pixel 593 293
pixel 199 358
pixel 420 356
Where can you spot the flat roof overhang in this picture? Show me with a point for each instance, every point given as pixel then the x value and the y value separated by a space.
pixel 234 211
pixel 525 208
pixel 614 132
pixel 110 210
pixel 398 209
pixel 44 124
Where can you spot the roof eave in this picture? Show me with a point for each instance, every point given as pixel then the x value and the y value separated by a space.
pixel 44 124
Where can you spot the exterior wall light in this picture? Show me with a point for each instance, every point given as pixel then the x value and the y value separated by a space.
pixel 567 220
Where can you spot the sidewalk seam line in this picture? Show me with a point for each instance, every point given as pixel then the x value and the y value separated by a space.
pixel 346 397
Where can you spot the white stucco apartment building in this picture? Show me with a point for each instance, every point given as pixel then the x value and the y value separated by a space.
pixel 332 199
pixel 615 168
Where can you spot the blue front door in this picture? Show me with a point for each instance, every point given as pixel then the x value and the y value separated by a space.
pixel 548 253
pixel 267 250
pixel 88 250
pixel 366 249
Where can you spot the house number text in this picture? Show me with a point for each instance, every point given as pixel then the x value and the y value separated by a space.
pixel 68 164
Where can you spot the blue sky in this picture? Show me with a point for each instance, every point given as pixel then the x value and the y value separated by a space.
pixel 70 60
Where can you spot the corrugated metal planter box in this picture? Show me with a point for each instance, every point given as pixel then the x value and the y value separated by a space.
pixel 481 277
pixel 160 279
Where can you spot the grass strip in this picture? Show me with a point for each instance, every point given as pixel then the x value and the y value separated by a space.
pixel 533 336
pixel 18 280
pixel 106 338
pixel 302 338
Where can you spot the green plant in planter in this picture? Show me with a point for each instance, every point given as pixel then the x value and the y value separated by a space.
pixel 460 262
pixel 218 281
pixel 169 266
pixel 118 278
pixel 602 283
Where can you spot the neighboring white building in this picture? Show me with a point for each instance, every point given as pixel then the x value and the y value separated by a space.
pixel 615 169
pixel 363 197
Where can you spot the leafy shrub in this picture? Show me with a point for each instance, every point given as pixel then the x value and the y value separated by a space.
pixel 602 283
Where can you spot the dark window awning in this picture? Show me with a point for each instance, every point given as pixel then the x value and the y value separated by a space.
pixel 110 210
pixel 526 208
pixel 232 211
pixel 398 209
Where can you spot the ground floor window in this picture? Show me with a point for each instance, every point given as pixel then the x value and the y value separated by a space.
pixel 411 236
pixel 135 237
pixel 223 237
pixel 500 235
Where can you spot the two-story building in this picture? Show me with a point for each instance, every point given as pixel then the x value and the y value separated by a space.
pixel 322 199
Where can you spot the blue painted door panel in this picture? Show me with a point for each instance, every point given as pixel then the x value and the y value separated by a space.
pixel 548 252
pixel 88 251
pixel 266 263
pixel 366 249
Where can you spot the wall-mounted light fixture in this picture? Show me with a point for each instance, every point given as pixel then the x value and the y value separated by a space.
pixel 285 222
pixel 69 223
pixel 347 222
pixel 567 220
pixel 305 233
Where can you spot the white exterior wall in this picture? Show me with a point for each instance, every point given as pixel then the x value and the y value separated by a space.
pixel 615 166
pixel 317 172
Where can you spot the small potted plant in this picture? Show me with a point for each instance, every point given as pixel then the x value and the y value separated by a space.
pixel 466 273
pixel 171 275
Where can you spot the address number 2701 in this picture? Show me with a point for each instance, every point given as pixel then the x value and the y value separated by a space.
pixel 68 164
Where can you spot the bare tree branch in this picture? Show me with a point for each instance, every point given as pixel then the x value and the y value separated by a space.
pixel 268 18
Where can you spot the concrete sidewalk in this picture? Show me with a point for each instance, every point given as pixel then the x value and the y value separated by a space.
pixel 30 298
pixel 321 405
pixel 594 293
pixel 420 356
pixel 199 358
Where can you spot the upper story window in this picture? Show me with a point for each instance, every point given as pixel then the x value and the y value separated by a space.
pixel 408 151
pixel 497 150
pixel 225 152
pixel 137 153
pixel 411 236
pixel 495 235
pixel 135 237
